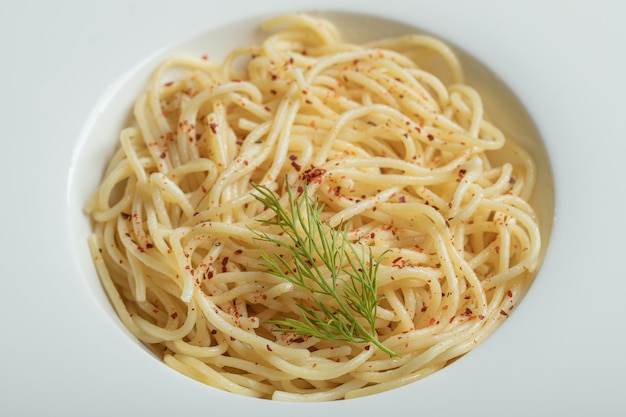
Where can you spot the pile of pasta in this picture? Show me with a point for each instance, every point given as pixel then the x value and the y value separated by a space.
pixel 401 153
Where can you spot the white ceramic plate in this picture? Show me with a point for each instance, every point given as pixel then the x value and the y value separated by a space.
pixel 63 351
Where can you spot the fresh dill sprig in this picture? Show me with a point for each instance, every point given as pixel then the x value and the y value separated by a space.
pixel 341 277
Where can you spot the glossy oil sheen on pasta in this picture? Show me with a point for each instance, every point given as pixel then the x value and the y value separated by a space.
pixel 399 154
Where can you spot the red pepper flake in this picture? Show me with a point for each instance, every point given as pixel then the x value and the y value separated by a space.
pixel 125 216
pixel 468 311
pixel 509 293
pixel 238 251
pixel 367 347
pixel 430 137
pixel 312 173
pixel 452 319
pixel 424 309
pixel 462 173
pixel 174 315
pixel 213 127
pixel 296 166
pixel 205 57
pixel 167 84
pixel 402 199
pixel 268 348
pixel 480 316
pixel 504 313
pixel 163 155
pixel 204 190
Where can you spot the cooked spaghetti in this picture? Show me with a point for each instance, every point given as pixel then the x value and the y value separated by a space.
pixel 398 160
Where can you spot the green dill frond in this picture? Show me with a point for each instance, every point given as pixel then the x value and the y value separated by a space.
pixel 323 261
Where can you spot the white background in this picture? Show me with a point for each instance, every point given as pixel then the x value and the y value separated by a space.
pixel 561 353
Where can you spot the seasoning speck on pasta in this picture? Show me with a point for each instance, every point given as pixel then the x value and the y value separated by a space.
pixel 402 242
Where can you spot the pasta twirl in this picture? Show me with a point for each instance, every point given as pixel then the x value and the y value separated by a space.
pixel 403 154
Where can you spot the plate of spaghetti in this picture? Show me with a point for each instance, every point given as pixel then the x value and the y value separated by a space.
pixel 313 218
pixel 326 210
